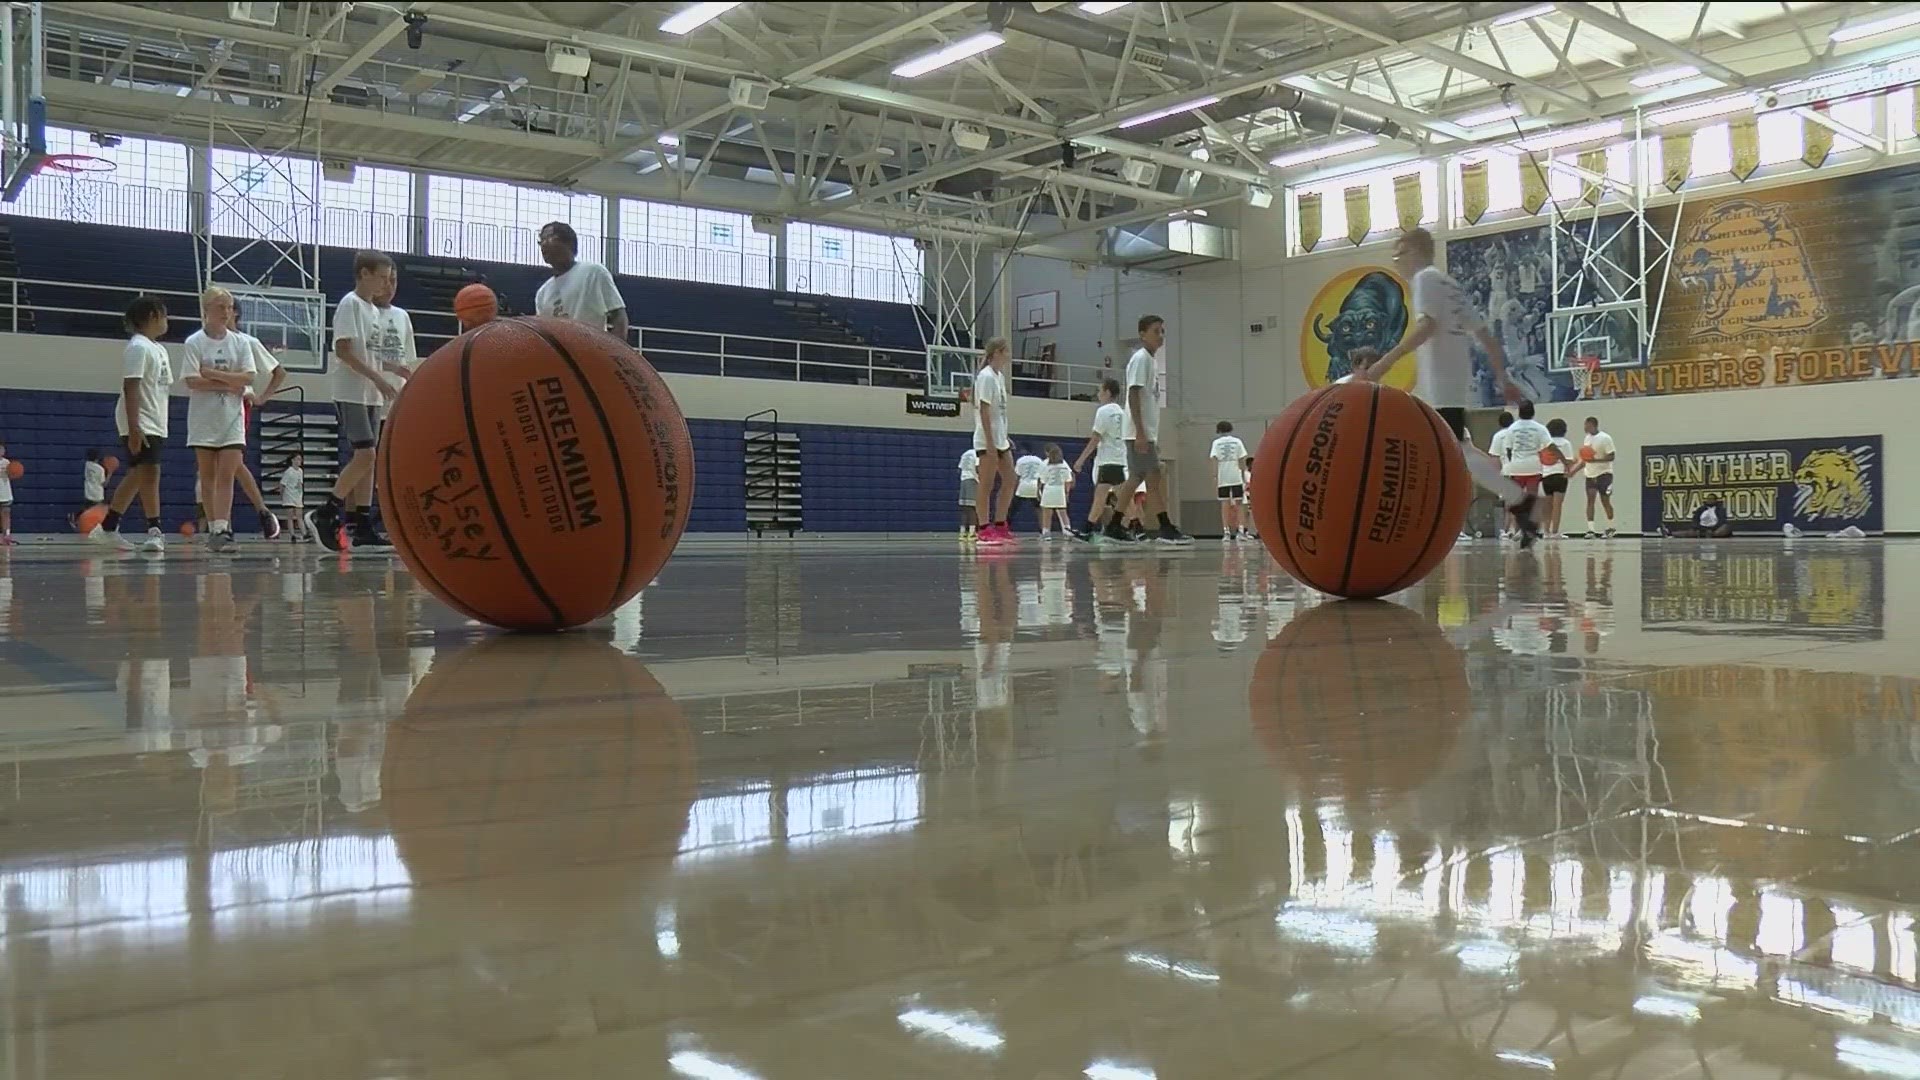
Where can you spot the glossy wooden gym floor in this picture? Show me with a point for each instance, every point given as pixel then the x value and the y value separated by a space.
pixel 890 809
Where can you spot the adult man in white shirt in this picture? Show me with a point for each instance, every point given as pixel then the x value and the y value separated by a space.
pixel 993 443
pixel 1598 453
pixel 1142 431
pixel 1229 456
pixel 1444 327
pixel 1107 445
pixel 581 291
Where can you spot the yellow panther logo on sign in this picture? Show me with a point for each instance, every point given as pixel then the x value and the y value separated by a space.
pixel 1834 483
pixel 1747 261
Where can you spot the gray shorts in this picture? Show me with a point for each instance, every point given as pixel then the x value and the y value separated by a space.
pixel 1142 464
pixel 359 424
pixel 969 492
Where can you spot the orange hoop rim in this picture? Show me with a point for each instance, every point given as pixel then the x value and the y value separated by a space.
pixel 76 163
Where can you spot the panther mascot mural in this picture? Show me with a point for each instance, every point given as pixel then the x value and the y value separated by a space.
pixel 1373 315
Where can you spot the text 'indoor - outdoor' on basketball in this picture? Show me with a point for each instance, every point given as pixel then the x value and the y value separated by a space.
pixel 1359 489
pixel 535 474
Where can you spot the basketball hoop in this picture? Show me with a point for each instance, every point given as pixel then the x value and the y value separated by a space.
pixel 1586 373
pixel 80 178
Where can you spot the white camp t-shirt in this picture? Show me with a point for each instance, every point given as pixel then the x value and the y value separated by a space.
pixel 1525 440
pixel 147 361
pixel 1143 371
pixel 1445 362
pixel 384 336
pixel 1600 443
pixel 1227 454
pixel 1497 446
pixel 1709 517
pixel 970 465
pixel 990 388
pixel 6 485
pixel 217 418
pixel 1027 470
pixel 1110 423
pixel 584 292
pixel 1055 478
pixel 1559 468
pixel 93 482
pixel 293 486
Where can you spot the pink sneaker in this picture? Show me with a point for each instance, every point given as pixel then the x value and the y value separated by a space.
pixel 991 535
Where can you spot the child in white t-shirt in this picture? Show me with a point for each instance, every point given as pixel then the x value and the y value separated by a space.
pixel 218 370
pixel 140 418
pixel 6 499
pixel 293 496
pixel 1230 467
pixel 1107 446
pixel 1026 492
pixel 1557 466
pixel 93 486
pixel 969 494
pixel 1056 483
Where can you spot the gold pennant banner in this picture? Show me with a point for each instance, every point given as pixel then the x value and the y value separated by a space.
pixel 1595 162
pixel 1816 140
pixel 1676 160
pixel 1473 192
pixel 1309 221
pixel 1359 213
pixel 1533 184
pixel 1408 201
pixel 1746 145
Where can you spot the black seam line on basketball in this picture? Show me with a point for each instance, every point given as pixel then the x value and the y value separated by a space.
pixel 553 458
pixel 486 484
pixel 1280 474
pixel 1433 531
pixel 613 454
pixel 406 546
pixel 1360 489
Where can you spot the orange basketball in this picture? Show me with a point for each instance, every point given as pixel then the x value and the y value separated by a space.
pixel 1586 453
pixel 1326 703
pixel 474 305
pixel 15 470
pixel 1549 456
pixel 187 529
pixel 87 519
pixel 110 464
pixel 1360 489
pixel 535 474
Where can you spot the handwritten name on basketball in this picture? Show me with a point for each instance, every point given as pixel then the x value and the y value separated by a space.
pixel 452 511
pixel 1313 490
pixel 565 480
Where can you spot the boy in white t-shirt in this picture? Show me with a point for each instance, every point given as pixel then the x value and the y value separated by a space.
pixel 1026 492
pixel 6 500
pixel 1056 484
pixel 969 494
pixel 1107 445
pixel 263 361
pixel 1444 329
pixel 1526 437
pixel 218 369
pixel 140 419
pixel 293 496
pixel 93 485
pixel 993 441
pixel 1597 452
pixel 373 351
pixel 1229 457
pixel 1142 430
pixel 581 291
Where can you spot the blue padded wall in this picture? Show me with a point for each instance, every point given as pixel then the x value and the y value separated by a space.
pixel 856 479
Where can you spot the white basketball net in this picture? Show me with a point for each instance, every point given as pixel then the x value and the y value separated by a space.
pixel 1586 373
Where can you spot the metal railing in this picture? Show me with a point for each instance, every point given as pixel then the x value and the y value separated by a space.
pixel 94 310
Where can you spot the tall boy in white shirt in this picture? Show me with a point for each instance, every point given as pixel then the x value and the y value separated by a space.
pixel 218 369
pixel 1598 452
pixel 372 352
pixel 140 419
pixel 581 291
pixel 1229 457
pixel 1142 432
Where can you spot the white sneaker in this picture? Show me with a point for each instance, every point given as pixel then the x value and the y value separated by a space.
pixel 155 542
pixel 100 537
pixel 1791 531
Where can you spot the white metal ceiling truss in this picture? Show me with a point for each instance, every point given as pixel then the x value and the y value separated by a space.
pixel 842 140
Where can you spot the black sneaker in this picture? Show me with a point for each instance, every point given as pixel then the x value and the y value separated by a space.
pixel 1081 535
pixel 1523 513
pixel 367 536
pixel 324 524
pixel 269 525
pixel 1173 537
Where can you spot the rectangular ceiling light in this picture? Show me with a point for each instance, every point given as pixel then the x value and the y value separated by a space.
pixel 1875 27
pixel 1523 15
pixel 1101 7
pixel 1663 76
pixel 1487 116
pixel 1320 153
pixel 1161 114
pixel 950 53
pixel 1553 140
pixel 1701 110
pixel 687 20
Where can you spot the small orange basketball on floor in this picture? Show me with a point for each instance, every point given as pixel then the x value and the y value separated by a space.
pixel 475 305
pixel 535 474
pixel 110 464
pixel 86 519
pixel 1359 489
pixel 15 470
pixel 187 529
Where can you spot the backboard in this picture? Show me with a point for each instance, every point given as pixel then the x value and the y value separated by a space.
pixel 23 103
pixel 950 369
pixel 291 323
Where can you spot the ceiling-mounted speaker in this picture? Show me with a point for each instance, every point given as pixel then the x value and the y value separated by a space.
pixel 745 93
pixel 257 14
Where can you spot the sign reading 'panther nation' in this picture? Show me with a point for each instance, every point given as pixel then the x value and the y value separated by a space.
pixel 1819 485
